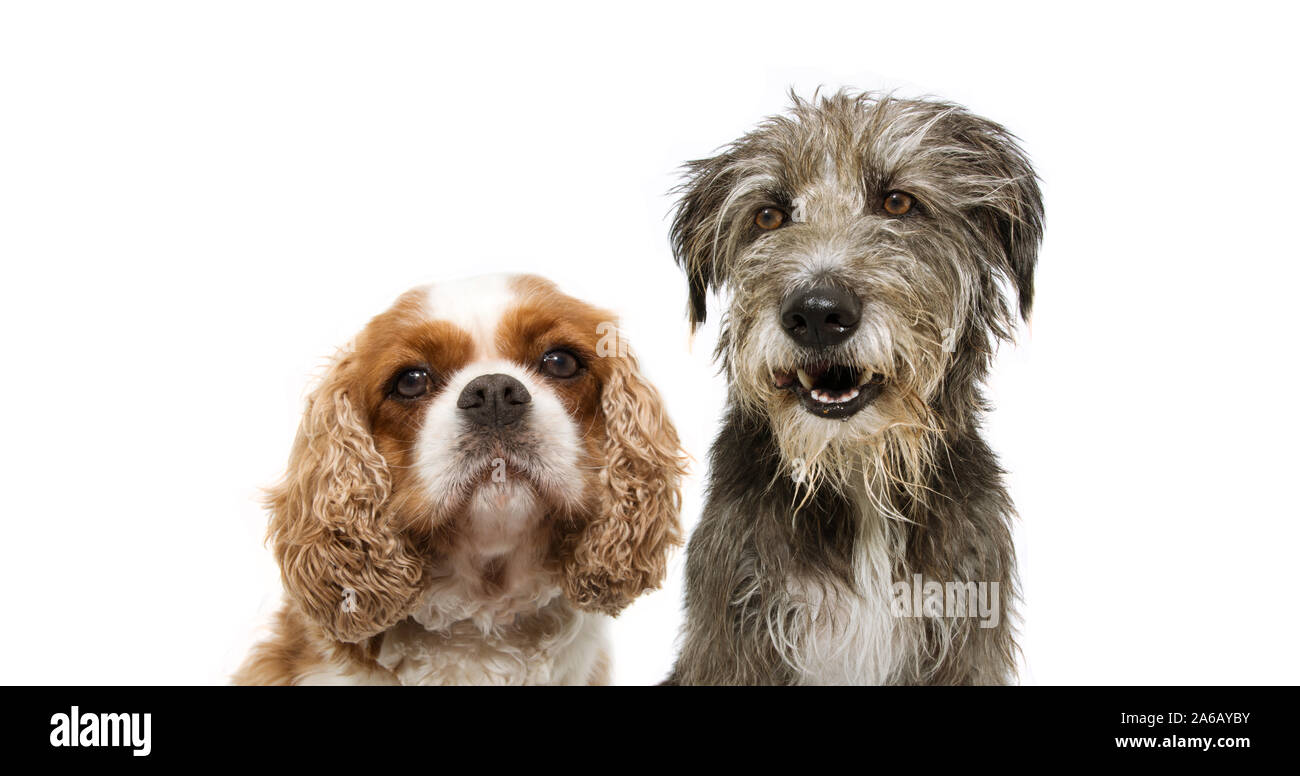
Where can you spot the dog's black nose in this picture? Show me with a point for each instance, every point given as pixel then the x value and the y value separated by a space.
pixel 821 315
pixel 494 400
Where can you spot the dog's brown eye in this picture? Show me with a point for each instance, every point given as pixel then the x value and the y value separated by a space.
pixel 412 384
pixel 897 203
pixel 769 218
pixel 560 363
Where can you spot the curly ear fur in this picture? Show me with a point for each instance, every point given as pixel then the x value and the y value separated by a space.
pixel 623 549
pixel 328 527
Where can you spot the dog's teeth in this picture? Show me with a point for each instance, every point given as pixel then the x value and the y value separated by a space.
pixel 825 398
pixel 804 379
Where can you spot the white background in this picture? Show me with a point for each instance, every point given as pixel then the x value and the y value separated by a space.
pixel 200 201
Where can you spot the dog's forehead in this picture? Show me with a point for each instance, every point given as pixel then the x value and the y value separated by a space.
pixel 476 305
pixel 840 142
pixel 486 306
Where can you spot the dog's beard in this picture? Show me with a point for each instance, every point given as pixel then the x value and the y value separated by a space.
pixel 891 370
pixel 888 444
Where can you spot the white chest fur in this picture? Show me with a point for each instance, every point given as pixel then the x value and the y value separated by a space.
pixel 557 645
pixel 507 626
pixel 849 634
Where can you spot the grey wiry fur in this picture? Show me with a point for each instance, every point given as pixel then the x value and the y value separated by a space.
pixel 810 521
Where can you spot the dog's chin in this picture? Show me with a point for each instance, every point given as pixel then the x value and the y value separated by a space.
pixel 831 391
pixel 519 483
pixel 507 483
pixel 516 494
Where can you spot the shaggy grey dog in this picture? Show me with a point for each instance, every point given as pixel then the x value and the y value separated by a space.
pixel 874 250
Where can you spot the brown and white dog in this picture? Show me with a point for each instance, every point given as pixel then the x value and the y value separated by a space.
pixel 481 479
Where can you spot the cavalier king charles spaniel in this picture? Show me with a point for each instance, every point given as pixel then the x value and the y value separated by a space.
pixel 482 478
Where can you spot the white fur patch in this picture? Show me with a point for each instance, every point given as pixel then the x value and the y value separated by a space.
pixel 852 636
pixel 331 676
pixel 567 650
pixel 475 304
pixel 523 633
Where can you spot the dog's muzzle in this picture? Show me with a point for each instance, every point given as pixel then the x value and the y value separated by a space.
pixel 817 318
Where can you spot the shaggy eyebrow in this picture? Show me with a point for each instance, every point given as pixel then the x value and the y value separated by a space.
pixel 777 196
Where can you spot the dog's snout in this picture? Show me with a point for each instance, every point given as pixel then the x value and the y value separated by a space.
pixel 494 400
pixel 820 316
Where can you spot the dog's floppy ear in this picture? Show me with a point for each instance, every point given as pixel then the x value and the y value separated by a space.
pixel 697 229
pixel 341 560
pixel 1011 206
pixel 623 549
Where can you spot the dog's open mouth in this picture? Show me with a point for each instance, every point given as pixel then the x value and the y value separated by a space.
pixel 833 391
